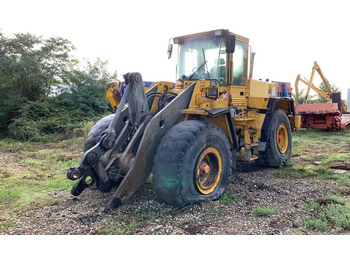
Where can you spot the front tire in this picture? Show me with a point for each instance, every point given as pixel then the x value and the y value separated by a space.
pixel 192 164
pixel 96 131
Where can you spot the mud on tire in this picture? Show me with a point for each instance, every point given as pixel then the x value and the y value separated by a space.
pixel 192 164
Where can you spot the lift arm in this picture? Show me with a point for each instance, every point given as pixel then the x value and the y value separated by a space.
pixel 310 85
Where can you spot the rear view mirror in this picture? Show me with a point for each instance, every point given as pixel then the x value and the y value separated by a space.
pixel 230 44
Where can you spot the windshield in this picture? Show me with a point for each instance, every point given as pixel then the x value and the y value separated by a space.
pixel 202 57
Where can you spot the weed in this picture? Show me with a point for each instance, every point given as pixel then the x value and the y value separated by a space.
pixel 317 223
pixel 262 211
pixel 336 215
pixel 339 215
pixel 227 198
pixel 297 222
pixel 212 213
pixel 314 205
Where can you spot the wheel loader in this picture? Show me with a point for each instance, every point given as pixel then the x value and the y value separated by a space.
pixel 187 134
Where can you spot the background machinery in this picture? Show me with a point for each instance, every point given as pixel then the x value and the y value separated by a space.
pixel 187 133
pixel 322 116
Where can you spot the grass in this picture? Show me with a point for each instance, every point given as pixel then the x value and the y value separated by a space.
pixel 311 158
pixel 335 198
pixel 5 225
pixel 35 169
pixel 126 224
pixel 260 211
pixel 314 205
pixel 228 198
pixel 122 225
pixel 7 194
pixel 319 224
pixel 305 142
pixel 338 215
pixel 304 169
pixel 335 214
pixel 335 158
pixel 30 172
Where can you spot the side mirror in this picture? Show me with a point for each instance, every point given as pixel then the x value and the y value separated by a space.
pixel 230 44
pixel 170 50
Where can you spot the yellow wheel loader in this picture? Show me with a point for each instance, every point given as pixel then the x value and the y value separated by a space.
pixel 187 133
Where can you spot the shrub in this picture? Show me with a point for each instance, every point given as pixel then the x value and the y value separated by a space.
pixel 40 120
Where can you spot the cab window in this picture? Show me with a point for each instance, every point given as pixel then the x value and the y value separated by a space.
pixel 240 60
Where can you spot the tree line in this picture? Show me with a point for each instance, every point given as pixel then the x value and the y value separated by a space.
pixel 44 90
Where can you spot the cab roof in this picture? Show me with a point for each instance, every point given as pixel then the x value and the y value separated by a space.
pixel 218 32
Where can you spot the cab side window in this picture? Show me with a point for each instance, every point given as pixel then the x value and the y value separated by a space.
pixel 240 60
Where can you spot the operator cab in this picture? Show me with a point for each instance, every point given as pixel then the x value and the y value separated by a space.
pixel 209 56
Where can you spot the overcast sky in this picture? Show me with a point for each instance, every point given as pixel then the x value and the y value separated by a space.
pixel 287 36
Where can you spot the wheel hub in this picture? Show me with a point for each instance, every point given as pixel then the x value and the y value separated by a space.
pixel 208 170
pixel 282 138
pixel 205 169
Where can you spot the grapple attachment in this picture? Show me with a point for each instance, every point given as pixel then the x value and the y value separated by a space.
pixel 123 155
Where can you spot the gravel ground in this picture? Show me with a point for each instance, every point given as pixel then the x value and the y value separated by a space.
pixel 144 214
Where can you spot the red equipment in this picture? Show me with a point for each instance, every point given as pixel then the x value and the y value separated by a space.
pixel 323 116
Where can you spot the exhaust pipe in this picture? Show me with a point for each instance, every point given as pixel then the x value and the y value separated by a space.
pixel 251 66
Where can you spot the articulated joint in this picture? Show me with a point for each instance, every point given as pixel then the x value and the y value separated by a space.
pixel 107 140
pixel 132 78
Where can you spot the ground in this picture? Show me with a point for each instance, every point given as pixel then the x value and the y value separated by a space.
pixel 310 194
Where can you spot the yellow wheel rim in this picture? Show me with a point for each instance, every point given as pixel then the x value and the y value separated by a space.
pixel 282 138
pixel 208 170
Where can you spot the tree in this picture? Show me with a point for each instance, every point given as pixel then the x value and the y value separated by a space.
pixel 86 89
pixel 322 86
pixel 299 96
pixel 29 67
pixel 83 97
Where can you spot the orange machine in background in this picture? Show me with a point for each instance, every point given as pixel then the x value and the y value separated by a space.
pixel 322 116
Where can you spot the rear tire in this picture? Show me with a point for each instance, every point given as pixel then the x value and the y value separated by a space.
pixel 96 131
pixel 279 144
pixel 192 164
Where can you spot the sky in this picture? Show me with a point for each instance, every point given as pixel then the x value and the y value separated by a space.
pixel 287 36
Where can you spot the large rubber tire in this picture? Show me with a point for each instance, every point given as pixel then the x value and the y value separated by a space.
pixel 177 180
pixel 279 144
pixel 96 131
